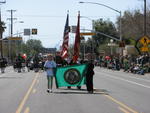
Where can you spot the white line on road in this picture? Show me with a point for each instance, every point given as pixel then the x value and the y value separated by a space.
pixel 136 77
pixel 126 80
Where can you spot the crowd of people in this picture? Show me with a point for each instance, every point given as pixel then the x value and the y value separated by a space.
pixel 35 63
pixel 134 64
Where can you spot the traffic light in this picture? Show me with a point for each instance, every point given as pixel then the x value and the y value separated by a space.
pixel 122 44
pixel 34 31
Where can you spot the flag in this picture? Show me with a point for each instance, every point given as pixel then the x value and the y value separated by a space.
pixel 77 41
pixel 64 52
pixel 73 75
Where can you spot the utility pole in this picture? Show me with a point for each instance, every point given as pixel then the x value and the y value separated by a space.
pixel 11 21
pixel 145 32
pixel 1 34
pixel 11 34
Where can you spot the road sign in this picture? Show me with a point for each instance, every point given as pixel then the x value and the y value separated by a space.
pixel 87 33
pixel 144 49
pixel 27 32
pixel 15 38
pixel 34 31
pixel 144 41
pixel 73 29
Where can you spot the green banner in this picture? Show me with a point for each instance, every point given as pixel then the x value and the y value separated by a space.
pixel 73 75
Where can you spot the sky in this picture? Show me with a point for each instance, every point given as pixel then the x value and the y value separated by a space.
pixel 49 16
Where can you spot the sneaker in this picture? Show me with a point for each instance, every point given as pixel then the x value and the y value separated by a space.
pixel 51 91
pixel 48 90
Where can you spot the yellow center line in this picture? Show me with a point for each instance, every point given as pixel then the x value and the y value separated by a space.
pixel 34 90
pixel 123 110
pixel 37 81
pixel 27 110
pixel 19 109
pixel 121 104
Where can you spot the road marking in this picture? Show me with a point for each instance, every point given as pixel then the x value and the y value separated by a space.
pixel 27 95
pixel 121 104
pixel 37 81
pixel 139 79
pixel 127 81
pixel 118 102
pixel 123 110
pixel 133 77
pixel 27 110
pixel 34 90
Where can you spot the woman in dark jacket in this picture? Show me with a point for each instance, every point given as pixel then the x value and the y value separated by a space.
pixel 89 77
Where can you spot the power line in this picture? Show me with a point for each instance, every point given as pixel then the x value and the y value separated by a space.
pixel 59 16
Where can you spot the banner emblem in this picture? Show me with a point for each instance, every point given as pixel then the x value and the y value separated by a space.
pixel 72 76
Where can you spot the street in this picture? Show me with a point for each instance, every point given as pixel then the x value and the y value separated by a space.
pixel 115 92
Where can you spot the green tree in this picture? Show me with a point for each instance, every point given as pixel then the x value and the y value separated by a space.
pixel 133 24
pixel 32 47
pixel 106 27
pixel 100 41
pixel 2 29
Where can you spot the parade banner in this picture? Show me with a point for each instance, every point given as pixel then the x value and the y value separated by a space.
pixel 73 75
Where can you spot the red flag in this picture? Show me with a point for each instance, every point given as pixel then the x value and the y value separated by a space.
pixel 77 41
pixel 64 52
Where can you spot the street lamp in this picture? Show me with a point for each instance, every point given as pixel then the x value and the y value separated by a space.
pixel 111 9
pixel 18 22
pixel 111 45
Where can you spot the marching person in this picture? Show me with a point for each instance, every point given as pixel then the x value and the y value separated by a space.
pixel 36 61
pixel 50 65
pixel 89 77
pixel 19 61
pixel 3 64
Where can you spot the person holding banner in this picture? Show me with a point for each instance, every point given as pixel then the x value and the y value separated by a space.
pixel 89 77
pixel 50 65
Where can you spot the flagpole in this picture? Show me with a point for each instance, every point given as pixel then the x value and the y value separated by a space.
pixel 77 40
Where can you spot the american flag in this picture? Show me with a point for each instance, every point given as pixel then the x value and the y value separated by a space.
pixel 64 52
pixel 77 41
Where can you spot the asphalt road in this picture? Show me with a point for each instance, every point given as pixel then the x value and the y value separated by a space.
pixel 115 92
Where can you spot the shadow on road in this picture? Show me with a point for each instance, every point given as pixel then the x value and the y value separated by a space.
pixel 82 91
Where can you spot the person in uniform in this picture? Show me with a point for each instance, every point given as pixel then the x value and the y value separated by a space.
pixel 19 61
